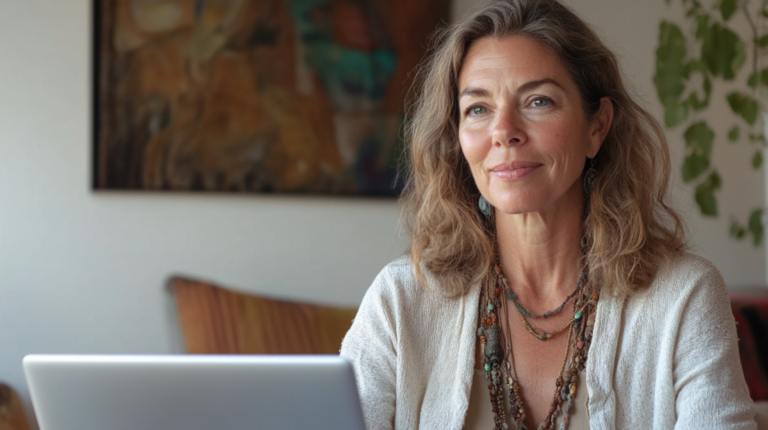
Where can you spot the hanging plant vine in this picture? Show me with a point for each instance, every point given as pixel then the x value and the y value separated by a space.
pixel 688 64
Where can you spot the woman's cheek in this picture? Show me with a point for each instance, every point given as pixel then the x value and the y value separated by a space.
pixel 474 143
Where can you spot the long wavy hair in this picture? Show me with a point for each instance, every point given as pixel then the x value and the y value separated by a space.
pixel 629 229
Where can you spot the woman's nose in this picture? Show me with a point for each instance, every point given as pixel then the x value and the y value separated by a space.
pixel 507 128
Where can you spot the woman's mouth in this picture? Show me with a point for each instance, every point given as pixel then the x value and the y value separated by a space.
pixel 515 170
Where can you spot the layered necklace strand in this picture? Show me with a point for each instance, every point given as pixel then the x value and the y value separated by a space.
pixel 512 296
pixel 498 361
pixel 537 332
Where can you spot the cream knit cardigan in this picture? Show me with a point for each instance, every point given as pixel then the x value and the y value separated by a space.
pixel 664 359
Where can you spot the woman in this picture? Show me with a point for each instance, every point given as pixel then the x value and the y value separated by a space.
pixel 546 285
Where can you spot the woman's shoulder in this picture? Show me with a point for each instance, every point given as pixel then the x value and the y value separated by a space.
pixel 688 265
pixel 399 279
pixel 398 289
pixel 396 279
pixel 399 270
pixel 685 272
pixel 398 305
pixel 684 280
pixel 395 285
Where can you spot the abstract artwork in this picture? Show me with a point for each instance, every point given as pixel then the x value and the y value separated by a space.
pixel 282 96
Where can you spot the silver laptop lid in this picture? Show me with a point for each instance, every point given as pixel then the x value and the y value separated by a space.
pixel 193 392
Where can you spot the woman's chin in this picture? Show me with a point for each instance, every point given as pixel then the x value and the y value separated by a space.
pixel 516 209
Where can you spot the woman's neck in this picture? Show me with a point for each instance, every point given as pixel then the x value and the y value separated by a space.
pixel 540 253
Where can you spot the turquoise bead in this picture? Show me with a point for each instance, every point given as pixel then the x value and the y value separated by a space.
pixel 487 367
pixel 577 315
pixel 490 307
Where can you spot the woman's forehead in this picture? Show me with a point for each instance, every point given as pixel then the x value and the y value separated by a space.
pixel 512 58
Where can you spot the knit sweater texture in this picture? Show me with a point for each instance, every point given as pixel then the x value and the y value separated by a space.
pixel 666 358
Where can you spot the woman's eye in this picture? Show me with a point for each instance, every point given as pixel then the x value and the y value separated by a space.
pixel 541 102
pixel 476 110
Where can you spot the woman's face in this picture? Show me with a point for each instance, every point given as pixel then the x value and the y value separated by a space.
pixel 522 127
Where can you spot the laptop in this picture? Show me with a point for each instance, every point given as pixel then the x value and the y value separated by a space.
pixel 193 392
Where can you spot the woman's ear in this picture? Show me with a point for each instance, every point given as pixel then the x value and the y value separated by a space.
pixel 601 124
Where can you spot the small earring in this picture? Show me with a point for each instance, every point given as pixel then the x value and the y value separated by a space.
pixel 485 207
pixel 589 177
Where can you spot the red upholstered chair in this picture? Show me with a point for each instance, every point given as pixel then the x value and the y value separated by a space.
pixel 751 312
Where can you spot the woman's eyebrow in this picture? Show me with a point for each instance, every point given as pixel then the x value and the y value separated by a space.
pixel 474 91
pixel 528 86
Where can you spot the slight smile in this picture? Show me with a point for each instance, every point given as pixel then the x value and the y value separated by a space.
pixel 515 170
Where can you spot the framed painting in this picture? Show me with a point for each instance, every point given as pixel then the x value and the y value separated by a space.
pixel 265 96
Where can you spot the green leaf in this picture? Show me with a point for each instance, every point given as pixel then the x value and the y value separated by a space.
pixel 699 137
pixel 670 63
pixel 695 103
pixel 734 133
pixel 756 138
pixel 755 226
pixel 740 58
pixel 702 26
pixel 693 166
pixel 675 113
pixel 758 78
pixel 744 106
pixel 723 51
pixel 705 194
pixel 715 180
pixel 757 160
pixel 754 80
pixel 737 231
pixel 700 104
pixel 763 41
pixel 728 8
pixel 705 198
pixel 695 66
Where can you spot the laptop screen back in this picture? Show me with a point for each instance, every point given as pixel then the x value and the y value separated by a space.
pixel 193 392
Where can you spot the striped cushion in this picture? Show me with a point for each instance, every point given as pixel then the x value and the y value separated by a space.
pixel 215 320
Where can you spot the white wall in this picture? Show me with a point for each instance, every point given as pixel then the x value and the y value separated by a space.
pixel 83 272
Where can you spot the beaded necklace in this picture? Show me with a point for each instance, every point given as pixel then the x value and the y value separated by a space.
pixel 512 296
pixel 498 361
pixel 537 332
